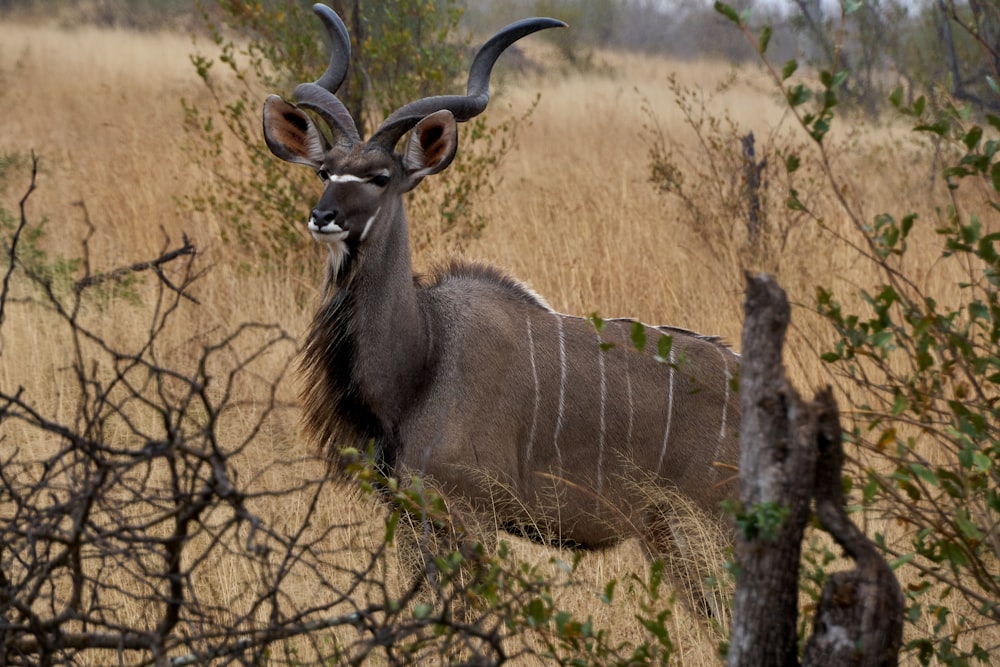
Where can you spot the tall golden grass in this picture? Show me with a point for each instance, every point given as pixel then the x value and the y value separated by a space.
pixel 573 214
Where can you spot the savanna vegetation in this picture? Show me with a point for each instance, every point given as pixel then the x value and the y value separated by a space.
pixel 162 280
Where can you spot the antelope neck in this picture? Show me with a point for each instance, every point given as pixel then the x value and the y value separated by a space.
pixel 380 310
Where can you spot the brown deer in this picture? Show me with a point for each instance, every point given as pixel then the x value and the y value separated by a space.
pixel 470 378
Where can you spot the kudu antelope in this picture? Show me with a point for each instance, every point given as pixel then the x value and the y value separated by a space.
pixel 469 377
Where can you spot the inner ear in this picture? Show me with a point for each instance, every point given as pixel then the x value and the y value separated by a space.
pixel 431 146
pixel 291 134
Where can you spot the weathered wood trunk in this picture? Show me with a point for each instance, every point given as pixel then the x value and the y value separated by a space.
pixel 791 453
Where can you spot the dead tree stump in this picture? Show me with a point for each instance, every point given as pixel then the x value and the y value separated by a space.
pixel 752 171
pixel 791 454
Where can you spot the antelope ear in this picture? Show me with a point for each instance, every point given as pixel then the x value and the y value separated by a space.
pixel 291 134
pixel 431 147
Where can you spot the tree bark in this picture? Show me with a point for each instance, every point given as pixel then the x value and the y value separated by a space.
pixel 859 620
pixel 752 170
pixel 776 470
pixel 791 453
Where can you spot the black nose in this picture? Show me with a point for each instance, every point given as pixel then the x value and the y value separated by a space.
pixel 323 218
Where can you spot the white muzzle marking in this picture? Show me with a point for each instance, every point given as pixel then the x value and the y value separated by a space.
pixel 329 233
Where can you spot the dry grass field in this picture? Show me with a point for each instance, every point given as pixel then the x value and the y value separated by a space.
pixel 573 215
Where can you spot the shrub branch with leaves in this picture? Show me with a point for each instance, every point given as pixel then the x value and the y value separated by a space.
pixel 919 363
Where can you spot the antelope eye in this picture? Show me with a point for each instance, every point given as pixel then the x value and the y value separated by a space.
pixel 381 180
pixel 323 174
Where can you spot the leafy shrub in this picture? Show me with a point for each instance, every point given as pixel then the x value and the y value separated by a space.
pixel 918 361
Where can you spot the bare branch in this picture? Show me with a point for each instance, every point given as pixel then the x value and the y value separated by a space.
pixel 12 248
pixel 155 265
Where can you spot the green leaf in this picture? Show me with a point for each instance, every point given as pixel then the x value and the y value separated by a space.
pixel 762 521
pixel 978 311
pixel 798 95
pixel 820 128
pixel 390 527
pixel 764 39
pixel 638 336
pixel 537 613
pixel 870 489
pixel 973 231
pixel 982 462
pixel 972 137
pixel 793 202
pixel 792 163
pixel 608 596
pixel 995 176
pixel 663 348
pixel 907 223
pixel 990 148
pixel 728 12
pixel 896 97
pixel 789 69
pixel 902 560
pixel 912 491
pixel 969 530
pixel 882 339
pixel 939 128
pixel 925 474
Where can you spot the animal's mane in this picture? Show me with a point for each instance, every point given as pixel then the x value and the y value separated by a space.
pixel 708 338
pixel 458 269
pixel 669 330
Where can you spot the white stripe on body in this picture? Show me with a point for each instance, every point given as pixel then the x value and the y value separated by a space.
pixel 600 442
pixel 670 412
pixel 631 406
pixel 725 413
pixel 562 392
pixel 538 395
pixel 628 393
